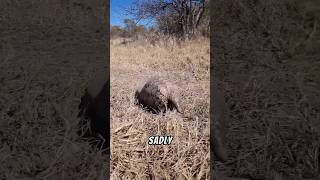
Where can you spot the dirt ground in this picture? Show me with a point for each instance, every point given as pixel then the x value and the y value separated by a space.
pixel 48 54
pixel 266 56
pixel 187 67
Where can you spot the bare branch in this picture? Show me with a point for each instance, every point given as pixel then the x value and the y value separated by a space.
pixel 180 17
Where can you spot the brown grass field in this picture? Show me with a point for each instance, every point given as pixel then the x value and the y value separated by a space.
pixel 187 66
pixel 47 56
pixel 264 53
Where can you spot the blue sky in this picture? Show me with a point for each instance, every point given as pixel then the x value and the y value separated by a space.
pixel 117 13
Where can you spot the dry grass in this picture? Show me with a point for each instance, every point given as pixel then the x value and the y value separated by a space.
pixel 45 64
pixel 187 66
pixel 266 54
pixel 40 91
pixel 41 86
pixel 267 57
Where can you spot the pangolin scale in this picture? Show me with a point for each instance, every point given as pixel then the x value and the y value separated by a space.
pixel 158 96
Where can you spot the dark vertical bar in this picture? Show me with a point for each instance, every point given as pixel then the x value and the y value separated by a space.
pixel 107 16
pixel 54 73
pixel 263 54
pixel 218 108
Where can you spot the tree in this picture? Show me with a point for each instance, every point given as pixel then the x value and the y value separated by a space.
pixel 132 29
pixel 178 17
pixel 115 31
pixel 130 25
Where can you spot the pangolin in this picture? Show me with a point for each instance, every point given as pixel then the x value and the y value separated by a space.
pixel 94 109
pixel 158 96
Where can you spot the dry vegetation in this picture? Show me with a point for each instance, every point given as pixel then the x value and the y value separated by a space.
pixel 266 54
pixel 187 66
pixel 48 52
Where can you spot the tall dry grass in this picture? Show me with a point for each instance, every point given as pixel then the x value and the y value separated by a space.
pixel 266 54
pixel 185 65
pixel 47 56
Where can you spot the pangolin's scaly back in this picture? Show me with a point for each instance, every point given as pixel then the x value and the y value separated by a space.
pixel 157 95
